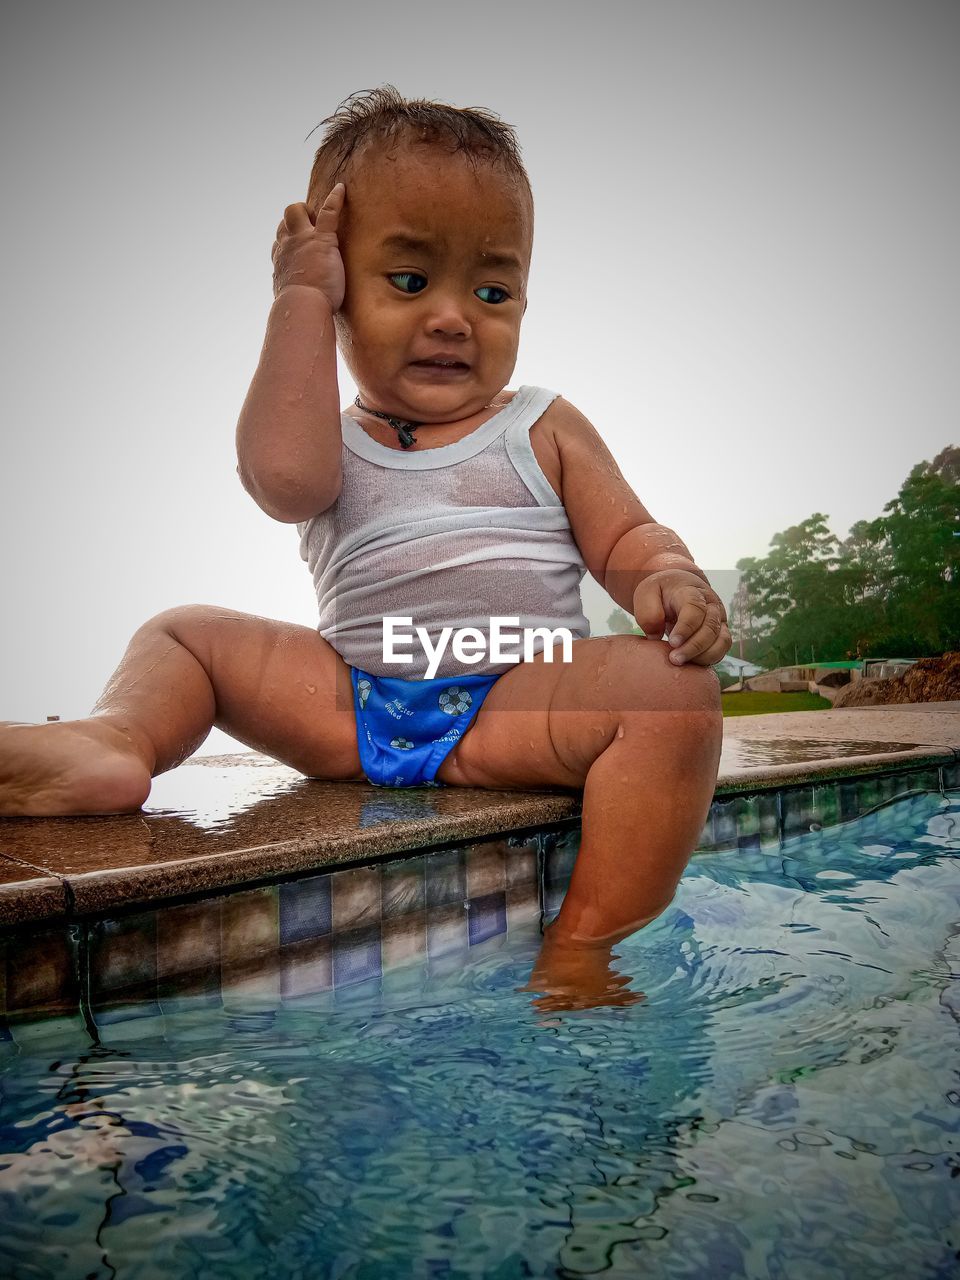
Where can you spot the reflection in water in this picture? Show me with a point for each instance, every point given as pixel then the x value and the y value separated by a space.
pixel 744 753
pixel 214 795
pixel 211 811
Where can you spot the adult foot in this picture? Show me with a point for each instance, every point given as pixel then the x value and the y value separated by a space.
pixel 70 768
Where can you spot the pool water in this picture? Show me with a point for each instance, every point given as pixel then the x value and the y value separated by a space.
pixel 784 1101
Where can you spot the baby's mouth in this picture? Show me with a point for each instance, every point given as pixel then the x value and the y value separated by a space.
pixel 440 364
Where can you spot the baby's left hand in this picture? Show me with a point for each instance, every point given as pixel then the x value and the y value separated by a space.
pixel 682 604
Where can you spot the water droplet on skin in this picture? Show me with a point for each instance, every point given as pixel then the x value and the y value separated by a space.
pixel 620 732
pixel 311 688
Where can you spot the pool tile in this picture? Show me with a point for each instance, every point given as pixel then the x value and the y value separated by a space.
pixel 188 949
pixel 253 984
pixel 769 817
pixel 356 956
pixel 355 995
pixel 798 810
pixel 927 779
pixel 950 776
pixel 249 942
pixel 486 869
pixel 305 909
pixel 56 1036
pixel 522 904
pixel 123 961
pixel 41 974
pixel 403 888
pixel 190 991
pixel 446 966
pixel 723 821
pixel 355 898
pixel 306 968
pixel 528 843
pixel 746 811
pixel 849 800
pixel 553 896
pixel 403 939
pixel 521 867
pixel 827 804
pixel 486 917
pixel 404 983
pixel 446 879
pixel 890 786
pixel 446 929
pixel 559 857
pixel 249 924
pixel 868 793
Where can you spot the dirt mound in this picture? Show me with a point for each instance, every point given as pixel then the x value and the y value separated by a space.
pixel 929 680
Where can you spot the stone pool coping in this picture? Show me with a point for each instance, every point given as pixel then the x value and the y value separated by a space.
pixel 221 823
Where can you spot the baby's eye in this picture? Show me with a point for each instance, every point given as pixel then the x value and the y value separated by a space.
pixel 492 288
pixel 400 279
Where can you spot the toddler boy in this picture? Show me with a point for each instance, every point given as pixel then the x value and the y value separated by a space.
pixel 440 496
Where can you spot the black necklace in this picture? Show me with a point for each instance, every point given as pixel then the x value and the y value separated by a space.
pixel 400 425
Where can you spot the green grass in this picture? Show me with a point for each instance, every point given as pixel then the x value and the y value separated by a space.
pixel 758 704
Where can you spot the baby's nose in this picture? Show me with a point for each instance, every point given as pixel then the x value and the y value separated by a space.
pixel 448 316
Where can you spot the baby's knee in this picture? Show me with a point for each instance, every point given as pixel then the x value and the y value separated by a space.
pixel 642 677
pixel 183 617
pixel 196 627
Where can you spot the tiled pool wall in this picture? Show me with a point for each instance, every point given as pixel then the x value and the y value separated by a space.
pixel 766 817
pixel 261 947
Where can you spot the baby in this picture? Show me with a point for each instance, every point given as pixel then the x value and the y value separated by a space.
pixel 444 498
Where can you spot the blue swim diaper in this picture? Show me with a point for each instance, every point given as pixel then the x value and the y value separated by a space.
pixel 407 728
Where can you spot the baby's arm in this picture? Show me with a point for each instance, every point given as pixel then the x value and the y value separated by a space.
pixel 644 566
pixel 288 434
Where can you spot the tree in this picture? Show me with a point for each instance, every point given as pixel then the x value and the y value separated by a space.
pixel 620 623
pixel 794 591
pixel 923 604
pixel 890 587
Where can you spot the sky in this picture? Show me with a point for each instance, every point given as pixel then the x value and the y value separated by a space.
pixel 745 273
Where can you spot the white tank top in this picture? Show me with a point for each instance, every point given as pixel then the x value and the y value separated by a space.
pixel 450 536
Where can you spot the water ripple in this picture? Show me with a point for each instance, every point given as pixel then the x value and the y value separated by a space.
pixel 783 1100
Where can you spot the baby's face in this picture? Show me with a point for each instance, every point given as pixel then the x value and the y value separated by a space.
pixel 436 257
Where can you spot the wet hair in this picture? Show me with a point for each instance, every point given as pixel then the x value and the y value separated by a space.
pixel 384 116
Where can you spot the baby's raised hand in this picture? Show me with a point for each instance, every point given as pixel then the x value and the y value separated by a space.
pixel 688 608
pixel 308 254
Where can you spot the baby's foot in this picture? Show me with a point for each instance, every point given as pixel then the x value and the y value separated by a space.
pixel 71 767
pixel 577 977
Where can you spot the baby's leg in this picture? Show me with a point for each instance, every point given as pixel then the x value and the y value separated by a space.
pixel 639 735
pixel 277 687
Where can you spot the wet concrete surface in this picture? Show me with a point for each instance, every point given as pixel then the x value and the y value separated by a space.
pixel 745 753
pixel 219 822
pixel 935 723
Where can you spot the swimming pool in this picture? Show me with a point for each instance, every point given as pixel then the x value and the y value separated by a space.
pixel 784 1099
